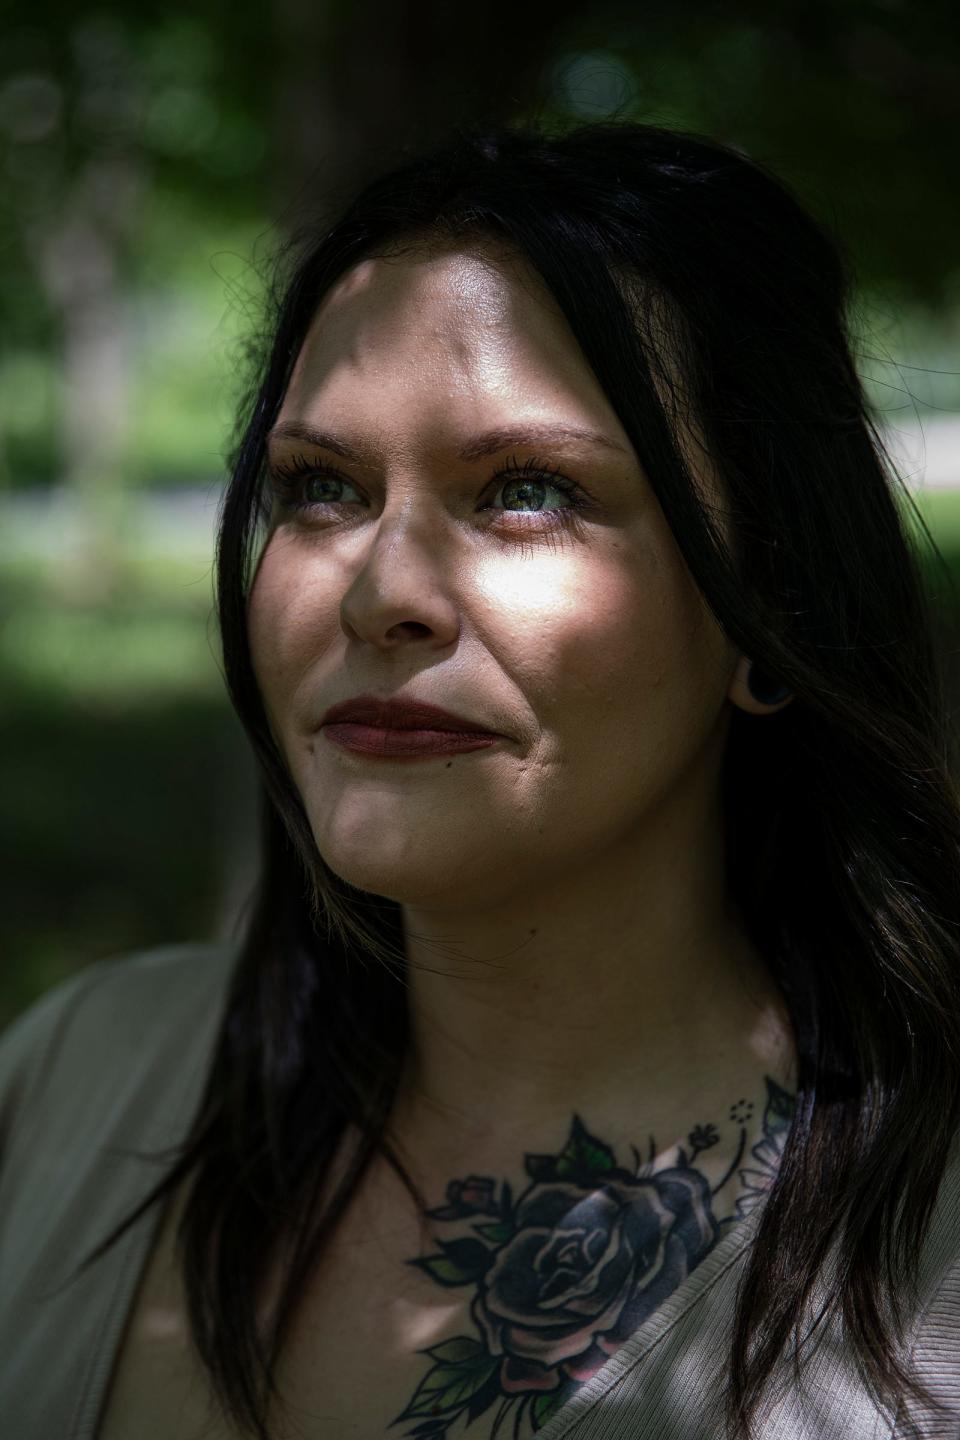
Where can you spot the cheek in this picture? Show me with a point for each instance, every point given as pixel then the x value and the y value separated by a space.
pixel 611 639
pixel 286 619
pixel 619 633
pixel 637 670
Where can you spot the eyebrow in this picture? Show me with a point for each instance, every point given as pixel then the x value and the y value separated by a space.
pixel 490 442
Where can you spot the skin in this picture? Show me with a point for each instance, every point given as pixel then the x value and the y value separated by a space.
pixel 571 946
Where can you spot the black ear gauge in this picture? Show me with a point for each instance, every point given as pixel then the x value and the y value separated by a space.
pixel 768 689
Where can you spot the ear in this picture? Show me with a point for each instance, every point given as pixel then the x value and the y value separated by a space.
pixel 747 679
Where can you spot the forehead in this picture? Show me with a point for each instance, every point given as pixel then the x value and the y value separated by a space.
pixel 485 279
pixel 438 337
pixel 465 316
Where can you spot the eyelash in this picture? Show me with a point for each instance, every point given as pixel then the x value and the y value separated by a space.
pixel 288 479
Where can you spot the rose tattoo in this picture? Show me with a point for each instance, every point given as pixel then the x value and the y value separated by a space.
pixel 564 1275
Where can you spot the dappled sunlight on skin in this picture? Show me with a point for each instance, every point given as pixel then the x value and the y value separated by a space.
pixel 164 1323
pixel 417 1324
pixel 573 872
pixel 566 638
pixel 570 946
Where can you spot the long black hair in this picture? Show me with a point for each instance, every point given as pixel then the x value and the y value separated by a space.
pixel 706 299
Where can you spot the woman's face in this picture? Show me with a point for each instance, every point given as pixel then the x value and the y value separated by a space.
pixel 424 571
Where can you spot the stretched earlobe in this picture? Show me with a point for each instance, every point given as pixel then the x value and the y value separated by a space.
pixel 768 689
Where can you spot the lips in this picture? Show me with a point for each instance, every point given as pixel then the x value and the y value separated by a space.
pixel 400 715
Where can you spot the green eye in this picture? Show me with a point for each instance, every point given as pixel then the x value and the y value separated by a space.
pixel 296 482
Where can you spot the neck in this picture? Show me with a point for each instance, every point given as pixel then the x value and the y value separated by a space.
pixel 635 1002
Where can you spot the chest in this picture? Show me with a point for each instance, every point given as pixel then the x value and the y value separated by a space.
pixel 481 1321
pixel 378 1349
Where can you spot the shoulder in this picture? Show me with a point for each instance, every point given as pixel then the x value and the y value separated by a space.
pixel 115 1020
pixel 98 1079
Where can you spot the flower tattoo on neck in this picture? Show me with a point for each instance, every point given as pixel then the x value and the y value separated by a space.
pixel 566 1272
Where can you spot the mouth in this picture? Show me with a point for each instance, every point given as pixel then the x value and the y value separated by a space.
pixel 383 742
pixel 400 713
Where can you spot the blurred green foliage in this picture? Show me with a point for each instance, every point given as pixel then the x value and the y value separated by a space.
pixel 147 149
pixel 152 158
pixel 122 768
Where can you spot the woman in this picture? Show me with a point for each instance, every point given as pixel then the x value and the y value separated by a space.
pixel 587 1066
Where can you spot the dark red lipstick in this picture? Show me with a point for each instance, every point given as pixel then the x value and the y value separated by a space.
pixel 399 728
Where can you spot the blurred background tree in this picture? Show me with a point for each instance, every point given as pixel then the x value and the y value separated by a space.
pixel 152 160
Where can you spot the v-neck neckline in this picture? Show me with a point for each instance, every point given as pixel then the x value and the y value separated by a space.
pixel 710 1269
pixel 133 1253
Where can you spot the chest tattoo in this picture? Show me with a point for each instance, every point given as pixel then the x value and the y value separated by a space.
pixel 564 1272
